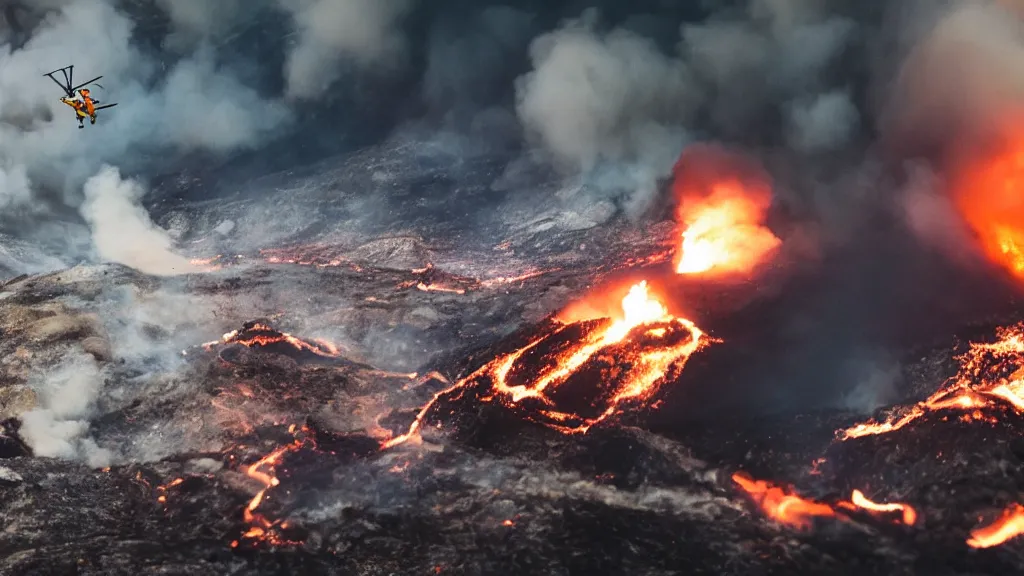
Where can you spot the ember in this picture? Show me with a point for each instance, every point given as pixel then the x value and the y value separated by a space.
pixel 781 505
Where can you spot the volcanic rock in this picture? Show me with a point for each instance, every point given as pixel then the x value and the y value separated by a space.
pixel 98 347
pixel 15 400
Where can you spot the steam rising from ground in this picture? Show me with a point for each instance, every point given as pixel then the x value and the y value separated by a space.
pixel 122 230
pixel 59 427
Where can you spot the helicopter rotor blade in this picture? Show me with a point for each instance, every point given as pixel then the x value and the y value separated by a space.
pixel 86 83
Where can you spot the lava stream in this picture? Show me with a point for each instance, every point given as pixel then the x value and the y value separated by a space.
pixel 781 505
pixel 859 500
pixel 645 340
pixel 785 507
pixel 1009 525
pixel 989 373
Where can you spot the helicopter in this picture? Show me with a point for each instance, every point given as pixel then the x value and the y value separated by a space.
pixel 78 97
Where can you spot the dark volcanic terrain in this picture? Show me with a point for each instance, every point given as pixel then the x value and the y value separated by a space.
pixel 237 421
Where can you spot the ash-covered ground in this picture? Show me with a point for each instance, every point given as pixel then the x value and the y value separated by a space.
pixel 236 421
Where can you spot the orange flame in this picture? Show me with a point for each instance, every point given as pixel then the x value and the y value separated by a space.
pixel 989 194
pixel 722 208
pixel 1009 525
pixel 648 364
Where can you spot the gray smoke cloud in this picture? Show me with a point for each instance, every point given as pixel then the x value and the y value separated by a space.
pixel 963 76
pixel 615 101
pixel 164 109
pixel 199 19
pixel 333 31
pixel 595 97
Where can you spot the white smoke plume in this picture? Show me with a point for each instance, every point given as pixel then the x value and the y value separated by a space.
pixel 59 427
pixel 122 230
pixel 333 31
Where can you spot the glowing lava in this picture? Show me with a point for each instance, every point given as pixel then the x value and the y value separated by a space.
pixel 783 506
pixel 722 210
pixel 1009 525
pixel 989 373
pixel 989 194
pixel 257 335
pixel 643 344
pixel 261 528
pixel 858 500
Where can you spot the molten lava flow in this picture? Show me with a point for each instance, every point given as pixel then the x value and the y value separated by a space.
pixel 989 373
pixel 645 342
pixel 989 194
pixel 259 335
pixel 859 500
pixel 781 505
pixel 1009 525
pixel 722 210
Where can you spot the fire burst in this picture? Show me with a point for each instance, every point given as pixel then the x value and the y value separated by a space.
pixel 722 213
pixel 989 373
pixel 643 344
pixel 990 197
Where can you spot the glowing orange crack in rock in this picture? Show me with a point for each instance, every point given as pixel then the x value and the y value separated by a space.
pixel 263 471
pixel 317 346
